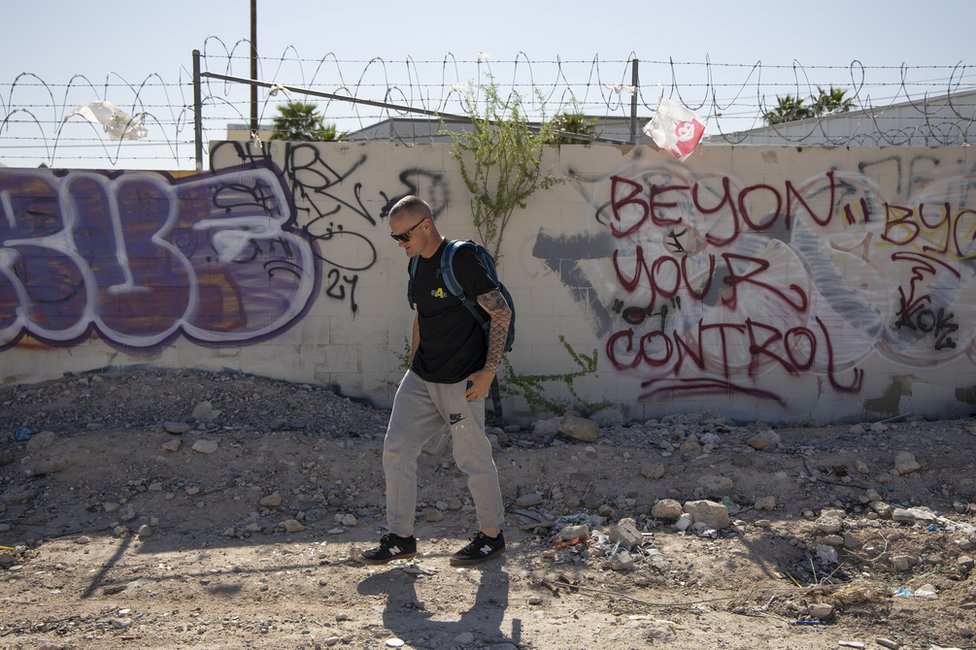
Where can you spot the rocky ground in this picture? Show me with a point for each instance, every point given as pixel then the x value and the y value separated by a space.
pixel 155 509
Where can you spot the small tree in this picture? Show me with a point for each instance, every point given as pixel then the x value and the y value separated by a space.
pixel 573 123
pixel 302 122
pixel 501 162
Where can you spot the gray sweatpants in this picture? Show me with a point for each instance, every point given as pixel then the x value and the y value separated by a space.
pixel 422 410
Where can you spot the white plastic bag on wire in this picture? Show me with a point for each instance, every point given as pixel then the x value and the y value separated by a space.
pixel 118 124
pixel 674 128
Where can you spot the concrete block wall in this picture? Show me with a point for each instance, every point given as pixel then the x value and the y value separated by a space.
pixel 776 284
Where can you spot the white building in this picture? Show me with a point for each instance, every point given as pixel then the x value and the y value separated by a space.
pixel 944 121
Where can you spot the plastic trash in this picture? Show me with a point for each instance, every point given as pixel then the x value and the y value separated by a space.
pixel 22 434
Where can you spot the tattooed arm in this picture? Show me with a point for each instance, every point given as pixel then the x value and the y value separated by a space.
pixel 494 303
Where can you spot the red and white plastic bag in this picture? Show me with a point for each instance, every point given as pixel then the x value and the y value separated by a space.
pixel 674 128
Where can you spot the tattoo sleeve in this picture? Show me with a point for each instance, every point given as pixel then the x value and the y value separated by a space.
pixel 494 303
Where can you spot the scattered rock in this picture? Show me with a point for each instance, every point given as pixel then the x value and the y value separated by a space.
pixel 292 526
pixel 581 429
pixel 41 440
pixel 718 485
pixel 768 439
pixel 609 416
pixel 205 446
pixel 529 500
pixel 668 509
pixel 205 412
pixel 51 466
pixel 653 471
pixel 176 428
pixel 964 563
pixel 712 514
pixel 905 463
pixel 767 503
pixel 547 428
pixel 831 521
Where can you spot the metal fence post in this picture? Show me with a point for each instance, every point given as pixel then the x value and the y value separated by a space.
pixel 633 102
pixel 197 113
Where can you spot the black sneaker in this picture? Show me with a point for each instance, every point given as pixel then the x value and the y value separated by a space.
pixel 480 548
pixel 392 547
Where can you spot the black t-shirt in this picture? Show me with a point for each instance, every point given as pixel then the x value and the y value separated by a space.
pixel 452 343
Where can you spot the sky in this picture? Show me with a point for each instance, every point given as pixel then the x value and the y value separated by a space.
pixel 133 41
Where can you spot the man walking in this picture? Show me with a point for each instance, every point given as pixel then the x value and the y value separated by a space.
pixel 452 366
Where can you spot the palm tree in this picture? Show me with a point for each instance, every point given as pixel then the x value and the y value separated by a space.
pixel 299 121
pixel 790 108
pixel 831 101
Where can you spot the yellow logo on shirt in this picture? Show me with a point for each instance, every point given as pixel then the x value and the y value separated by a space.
pixel 439 293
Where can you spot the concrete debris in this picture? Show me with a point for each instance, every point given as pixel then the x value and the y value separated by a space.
pixel 626 534
pixel 712 514
pixel 821 610
pixel 911 515
pixel 572 532
pixel 830 521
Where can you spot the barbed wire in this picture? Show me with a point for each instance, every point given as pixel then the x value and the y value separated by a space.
pixel 936 105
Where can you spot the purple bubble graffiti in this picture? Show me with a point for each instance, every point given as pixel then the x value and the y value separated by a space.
pixel 141 258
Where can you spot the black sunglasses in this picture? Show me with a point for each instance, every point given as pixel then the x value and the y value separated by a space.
pixel 405 235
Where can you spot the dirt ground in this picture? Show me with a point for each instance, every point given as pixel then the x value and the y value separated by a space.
pixel 175 509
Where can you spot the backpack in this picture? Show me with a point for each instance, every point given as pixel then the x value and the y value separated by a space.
pixel 450 281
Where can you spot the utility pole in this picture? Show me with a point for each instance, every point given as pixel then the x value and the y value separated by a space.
pixel 254 68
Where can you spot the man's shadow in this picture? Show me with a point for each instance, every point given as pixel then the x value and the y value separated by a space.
pixel 408 618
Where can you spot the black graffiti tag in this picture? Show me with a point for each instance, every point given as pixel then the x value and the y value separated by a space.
pixel 926 320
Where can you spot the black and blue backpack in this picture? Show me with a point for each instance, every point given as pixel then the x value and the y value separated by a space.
pixel 454 288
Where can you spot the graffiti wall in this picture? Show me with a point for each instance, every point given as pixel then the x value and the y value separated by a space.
pixel 759 283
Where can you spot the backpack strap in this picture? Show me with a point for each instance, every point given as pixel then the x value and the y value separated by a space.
pixel 413 272
pixel 453 286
